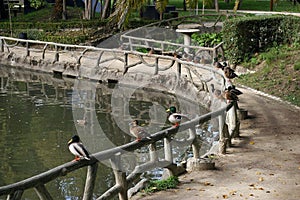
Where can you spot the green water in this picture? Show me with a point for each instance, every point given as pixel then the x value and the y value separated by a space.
pixel 38 116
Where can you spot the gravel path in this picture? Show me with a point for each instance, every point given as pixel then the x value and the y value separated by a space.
pixel 264 163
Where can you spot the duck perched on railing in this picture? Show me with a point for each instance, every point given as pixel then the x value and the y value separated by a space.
pixel 77 148
pixel 137 131
pixel 174 117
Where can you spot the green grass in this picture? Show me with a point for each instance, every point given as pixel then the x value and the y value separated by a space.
pixel 261 5
pixel 159 185
pixel 277 73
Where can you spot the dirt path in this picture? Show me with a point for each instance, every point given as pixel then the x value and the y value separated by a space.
pixel 263 164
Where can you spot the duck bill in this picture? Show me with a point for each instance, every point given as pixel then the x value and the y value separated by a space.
pixel 70 141
pixel 168 110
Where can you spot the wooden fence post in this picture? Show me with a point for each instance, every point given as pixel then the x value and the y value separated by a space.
pixel 195 144
pixel 42 192
pixel 223 134
pixel 90 181
pixel 120 176
pixel 168 155
pixel 27 49
pixel 15 195
pixel 153 153
pixel 156 66
pixel 56 58
pixel 179 69
pixel 1 45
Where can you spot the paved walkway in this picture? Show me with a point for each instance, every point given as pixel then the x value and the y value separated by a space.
pixel 263 164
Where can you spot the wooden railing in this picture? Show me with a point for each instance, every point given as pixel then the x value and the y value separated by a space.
pixel 121 187
pixel 44 56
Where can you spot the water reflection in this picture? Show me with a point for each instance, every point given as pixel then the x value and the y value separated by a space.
pixel 39 113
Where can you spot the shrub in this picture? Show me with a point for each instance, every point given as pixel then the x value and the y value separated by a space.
pixel 246 36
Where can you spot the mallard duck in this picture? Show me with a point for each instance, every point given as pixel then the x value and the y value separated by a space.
pixel 220 66
pixel 229 73
pixel 77 148
pixel 138 131
pixel 232 89
pixel 230 96
pixel 174 117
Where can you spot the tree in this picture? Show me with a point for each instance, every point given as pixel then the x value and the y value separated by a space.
pixel 123 8
pixel 88 11
pixel 106 9
pixel 3 12
pixel 58 9
pixel 160 6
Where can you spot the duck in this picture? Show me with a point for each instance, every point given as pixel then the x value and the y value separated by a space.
pixel 229 73
pixel 232 89
pixel 221 66
pixel 77 148
pixel 81 122
pixel 217 93
pixel 230 96
pixel 137 131
pixel 174 117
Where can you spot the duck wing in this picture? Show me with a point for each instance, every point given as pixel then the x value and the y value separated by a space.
pixel 79 150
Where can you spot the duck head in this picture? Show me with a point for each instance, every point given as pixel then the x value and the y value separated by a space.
pixel 74 139
pixel 171 110
pixel 134 123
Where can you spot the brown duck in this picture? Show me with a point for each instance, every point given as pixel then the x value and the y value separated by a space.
pixel 229 73
pixel 137 131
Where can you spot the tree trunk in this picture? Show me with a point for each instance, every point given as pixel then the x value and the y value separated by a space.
pixel 3 13
pixel 217 5
pixel 88 9
pixel 271 5
pixel 106 9
pixel 184 5
pixel 94 9
pixel 58 9
pixel 64 12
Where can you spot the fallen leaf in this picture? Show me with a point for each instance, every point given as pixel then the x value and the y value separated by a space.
pixel 251 142
pixel 260 188
pixel 208 183
pixel 202 190
pixel 232 192
pixel 225 196
pixel 188 188
pixel 258 173
pixel 252 185
pixel 261 179
pixel 251 195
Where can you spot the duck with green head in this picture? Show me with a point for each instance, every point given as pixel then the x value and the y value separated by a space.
pixel 174 117
pixel 77 148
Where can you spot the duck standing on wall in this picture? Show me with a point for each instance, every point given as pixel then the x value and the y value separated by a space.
pixel 232 89
pixel 174 117
pixel 229 73
pixel 138 131
pixel 77 148
pixel 230 96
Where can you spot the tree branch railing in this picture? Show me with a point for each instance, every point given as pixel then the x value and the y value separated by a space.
pixel 39 181
pixel 77 54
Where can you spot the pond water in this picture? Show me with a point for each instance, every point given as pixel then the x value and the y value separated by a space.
pixel 39 114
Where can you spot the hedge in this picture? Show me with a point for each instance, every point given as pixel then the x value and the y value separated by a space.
pixel 246 36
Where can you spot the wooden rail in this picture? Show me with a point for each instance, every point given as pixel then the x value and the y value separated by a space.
pixel 42 56
pixel 15 190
